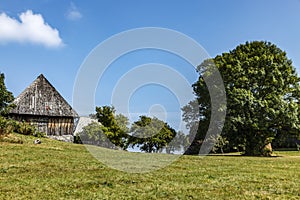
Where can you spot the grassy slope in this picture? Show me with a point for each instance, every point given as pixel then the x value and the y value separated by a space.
pixel 57 170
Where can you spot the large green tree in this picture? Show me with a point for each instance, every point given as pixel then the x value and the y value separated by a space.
pixel 150 134
pixel 6 97
pixel 262 90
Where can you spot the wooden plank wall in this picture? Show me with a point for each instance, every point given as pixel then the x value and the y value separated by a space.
pixel 60 126
pixel 49 125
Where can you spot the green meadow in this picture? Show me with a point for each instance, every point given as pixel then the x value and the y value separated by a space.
pixel 58 170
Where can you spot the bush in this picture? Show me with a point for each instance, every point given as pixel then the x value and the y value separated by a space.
pixel 24 128
pixel 39 134
pixel 8 126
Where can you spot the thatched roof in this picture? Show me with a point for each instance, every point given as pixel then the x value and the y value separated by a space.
pixel 41 98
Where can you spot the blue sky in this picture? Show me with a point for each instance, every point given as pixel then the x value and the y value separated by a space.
pixel 74 28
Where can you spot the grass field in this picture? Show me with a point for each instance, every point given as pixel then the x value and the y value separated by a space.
pixel 57 170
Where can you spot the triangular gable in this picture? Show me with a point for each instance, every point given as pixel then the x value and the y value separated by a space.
pixel 41 98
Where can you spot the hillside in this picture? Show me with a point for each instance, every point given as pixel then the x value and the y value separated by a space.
pixel 57 170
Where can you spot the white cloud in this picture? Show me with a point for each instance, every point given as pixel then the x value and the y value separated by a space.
pixel 73 13
pixel 31 28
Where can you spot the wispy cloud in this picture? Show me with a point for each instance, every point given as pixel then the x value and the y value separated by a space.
pixel 73 13
pixel 30 29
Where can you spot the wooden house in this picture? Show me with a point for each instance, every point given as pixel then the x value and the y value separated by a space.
pixel 41 105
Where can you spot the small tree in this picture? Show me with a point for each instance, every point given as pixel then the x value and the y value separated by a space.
pixel 113 129
pixel 93 134
pixel 150 134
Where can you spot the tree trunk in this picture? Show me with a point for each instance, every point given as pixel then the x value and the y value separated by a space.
pixel 267 151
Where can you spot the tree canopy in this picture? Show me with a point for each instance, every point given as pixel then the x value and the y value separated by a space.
pixel 93 134
pixel 262 90
pixel 151 134
pixel 6 97
pixel 113 127
pixel 178 144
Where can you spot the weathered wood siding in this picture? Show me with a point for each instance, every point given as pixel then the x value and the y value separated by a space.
pixel 62 126
pixel 41 105
pixel 41 98
pixel 50 125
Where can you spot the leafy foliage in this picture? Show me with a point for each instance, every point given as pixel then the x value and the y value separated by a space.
pixel 178 144
pixel 122 122
pixel 286 140
pixel 24 128
pixel 8 126
pixel 6 97
pixel 93 134
pixel 220 143
pixel 262 91
pixel 150 134
pixel 113 127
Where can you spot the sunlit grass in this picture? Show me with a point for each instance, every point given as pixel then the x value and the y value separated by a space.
pixel 57 170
